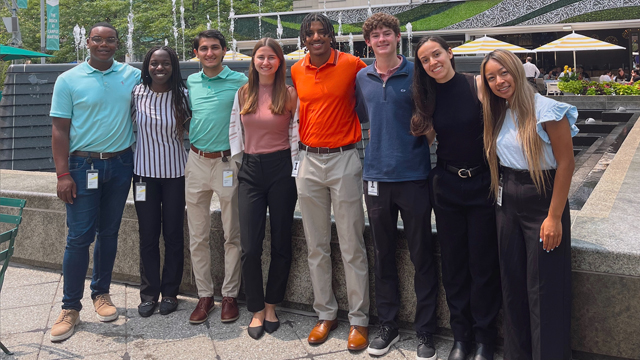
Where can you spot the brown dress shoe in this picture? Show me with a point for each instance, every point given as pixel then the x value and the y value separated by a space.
pixel 358 338
pixel 230 310
pixel 320 332
pixel 202 310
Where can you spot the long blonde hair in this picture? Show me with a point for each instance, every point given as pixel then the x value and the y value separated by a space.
pixel 523 108
pixel 250 90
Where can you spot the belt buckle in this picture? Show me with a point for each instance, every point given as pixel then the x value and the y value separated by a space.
pixel 464 173
pixel 103 158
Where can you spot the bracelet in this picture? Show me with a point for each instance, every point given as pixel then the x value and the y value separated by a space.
pixel 65 174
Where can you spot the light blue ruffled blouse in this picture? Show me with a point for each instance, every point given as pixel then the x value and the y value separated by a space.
pixel 509 148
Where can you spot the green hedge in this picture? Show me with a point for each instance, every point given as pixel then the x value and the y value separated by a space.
pixel 453 15
pixel 543 10
pixel 622 13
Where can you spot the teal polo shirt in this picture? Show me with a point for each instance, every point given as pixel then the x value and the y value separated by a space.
pixel 211 102
pixel 98 104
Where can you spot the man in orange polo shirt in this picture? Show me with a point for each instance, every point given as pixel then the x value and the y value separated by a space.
pixel 330 171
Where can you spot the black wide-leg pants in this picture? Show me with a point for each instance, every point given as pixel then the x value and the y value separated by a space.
pixel 264 180
pixel 162 210
pixel 411 199
pixel 536 285
pixel 466 228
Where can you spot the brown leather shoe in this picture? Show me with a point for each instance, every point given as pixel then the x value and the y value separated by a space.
pixel 320 332
pixel 230 310
pixel 202 310
pixel 358 338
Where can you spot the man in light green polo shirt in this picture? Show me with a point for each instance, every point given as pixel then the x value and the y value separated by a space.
pixel 210 169
pixel 91 137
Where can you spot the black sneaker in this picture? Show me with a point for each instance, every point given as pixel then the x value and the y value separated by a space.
pixel 426 350
pixel 168 305
pixel 381 344
pixel 147 308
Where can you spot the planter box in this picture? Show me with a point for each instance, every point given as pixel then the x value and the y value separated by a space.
pixel 601 102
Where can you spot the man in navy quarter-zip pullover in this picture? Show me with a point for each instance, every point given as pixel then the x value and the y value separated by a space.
pixel 396 167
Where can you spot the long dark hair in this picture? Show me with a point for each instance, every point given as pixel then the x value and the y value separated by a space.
pixel 279 94
pixel 326 24
pixel 181 110
pixel 424 90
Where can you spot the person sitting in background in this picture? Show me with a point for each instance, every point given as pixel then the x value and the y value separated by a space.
pixel 635 75
pixel 621 76
pixel 582 75
pixel 542 73
pixel 606 76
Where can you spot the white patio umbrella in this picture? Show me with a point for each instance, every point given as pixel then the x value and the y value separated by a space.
pixel 296 55
pixel 576 42
pixel 485 45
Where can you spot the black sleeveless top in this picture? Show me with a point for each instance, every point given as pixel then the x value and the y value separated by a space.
pixel 458 123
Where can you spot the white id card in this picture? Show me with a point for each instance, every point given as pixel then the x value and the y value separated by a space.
pixel 372 188
pixel 499 199
pixel 294 171
pixel 227 178
pixel 92 179
pixel 141 191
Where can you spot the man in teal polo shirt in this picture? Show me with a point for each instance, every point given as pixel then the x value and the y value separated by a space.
pixel 92 136
pixel 210 169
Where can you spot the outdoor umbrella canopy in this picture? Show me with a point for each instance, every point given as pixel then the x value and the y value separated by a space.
pixel 485 45
pixel 576 42
pixel 296 55
pixel 232 55
pixel 12 53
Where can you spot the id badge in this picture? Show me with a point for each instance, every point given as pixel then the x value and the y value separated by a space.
pixel 227 178
pixel 92 179
pixel 294 171
pixel 372 187
pixel 141 191
pixel 499 197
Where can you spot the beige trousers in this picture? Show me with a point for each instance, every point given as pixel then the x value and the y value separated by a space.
pixel 203 177
pixel 336 178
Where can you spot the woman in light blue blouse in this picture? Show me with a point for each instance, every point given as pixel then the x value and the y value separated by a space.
pixel 528 143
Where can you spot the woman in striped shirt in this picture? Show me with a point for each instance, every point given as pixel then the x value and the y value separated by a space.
pixel 161 110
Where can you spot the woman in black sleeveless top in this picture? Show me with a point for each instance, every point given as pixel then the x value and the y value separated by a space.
pixel 446 104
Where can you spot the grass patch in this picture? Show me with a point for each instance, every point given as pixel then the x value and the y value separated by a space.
pixel 622 13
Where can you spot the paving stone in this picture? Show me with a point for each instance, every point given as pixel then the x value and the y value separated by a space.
pixel 28 295
pixel 19 320
pixel 200 347
pixel 23 345
pixel 17 276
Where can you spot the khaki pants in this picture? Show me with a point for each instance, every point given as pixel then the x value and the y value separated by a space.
pixel 336 178
pixel 203 178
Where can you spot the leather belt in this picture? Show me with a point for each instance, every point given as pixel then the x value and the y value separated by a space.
pixel 99 155
pixel 462 172
pixel 211 155
pixel 324 150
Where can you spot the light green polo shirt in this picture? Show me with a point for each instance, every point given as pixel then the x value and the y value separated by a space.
pixel 211 102
pixel 98 104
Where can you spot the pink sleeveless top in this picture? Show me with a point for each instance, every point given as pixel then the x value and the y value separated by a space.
pixel 265 132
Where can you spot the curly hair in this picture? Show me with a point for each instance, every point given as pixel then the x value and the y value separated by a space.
pixel 379 20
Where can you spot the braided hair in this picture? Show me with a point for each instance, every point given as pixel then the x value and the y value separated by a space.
pixel 326 24
pixel 181 111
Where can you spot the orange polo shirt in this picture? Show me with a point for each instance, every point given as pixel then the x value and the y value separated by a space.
pixel 327 100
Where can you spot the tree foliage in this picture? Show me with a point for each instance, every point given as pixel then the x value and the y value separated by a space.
pixel 153 22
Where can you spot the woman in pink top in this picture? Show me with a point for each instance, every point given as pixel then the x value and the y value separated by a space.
pixel 268 133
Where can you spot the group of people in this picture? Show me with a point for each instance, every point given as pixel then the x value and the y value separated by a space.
pixel 499 188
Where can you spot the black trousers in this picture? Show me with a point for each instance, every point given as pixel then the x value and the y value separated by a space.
pixel 265 181
pixel 411 198
pixel 536 285
pixel 163 208
pixel 465 219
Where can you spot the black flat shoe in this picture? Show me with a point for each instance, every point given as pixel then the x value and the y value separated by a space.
pixel 271 326
pixel 168 305
pixel 256 332
pixel 484 352
pixel 147 308
pixel 460 351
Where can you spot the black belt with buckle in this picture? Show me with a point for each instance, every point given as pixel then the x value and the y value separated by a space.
pixel 99 155
pixel 324 150
pixel 463 172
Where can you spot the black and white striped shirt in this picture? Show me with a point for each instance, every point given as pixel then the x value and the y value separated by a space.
pixel 159 151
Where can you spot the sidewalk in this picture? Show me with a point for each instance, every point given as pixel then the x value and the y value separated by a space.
pixel 31 298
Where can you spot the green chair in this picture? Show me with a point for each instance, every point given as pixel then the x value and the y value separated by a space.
pixel 10 236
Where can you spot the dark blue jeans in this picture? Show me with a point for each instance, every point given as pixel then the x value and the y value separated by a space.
pixel 97 211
